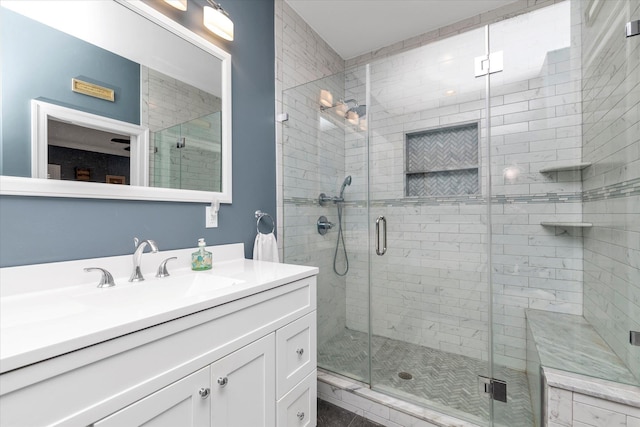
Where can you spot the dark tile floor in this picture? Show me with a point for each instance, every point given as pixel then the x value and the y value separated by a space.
pixel 330 415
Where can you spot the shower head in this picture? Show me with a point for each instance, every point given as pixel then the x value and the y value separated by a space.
pixel 347 181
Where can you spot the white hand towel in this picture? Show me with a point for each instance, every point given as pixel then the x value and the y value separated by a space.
pixel 265 248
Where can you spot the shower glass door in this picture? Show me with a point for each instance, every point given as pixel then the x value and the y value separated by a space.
pixel 399 175
pixel 536 123
pixel 427 175
pixel 325 152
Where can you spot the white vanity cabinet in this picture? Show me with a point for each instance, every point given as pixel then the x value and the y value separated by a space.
pixel 247 362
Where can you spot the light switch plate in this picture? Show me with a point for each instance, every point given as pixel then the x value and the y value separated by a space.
pixel 210 221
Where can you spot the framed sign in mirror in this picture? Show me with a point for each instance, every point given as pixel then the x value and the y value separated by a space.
pixel 112 88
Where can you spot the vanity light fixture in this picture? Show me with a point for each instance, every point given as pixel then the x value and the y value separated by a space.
pixel 178 4
pixel 217 20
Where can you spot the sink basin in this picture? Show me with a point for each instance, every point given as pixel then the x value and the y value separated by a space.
pixel 153 294
pixel 154 291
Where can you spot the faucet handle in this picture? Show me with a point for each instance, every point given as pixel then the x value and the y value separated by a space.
pixel 162 268
pixel 106 281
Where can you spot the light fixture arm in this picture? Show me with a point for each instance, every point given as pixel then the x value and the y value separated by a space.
pixel 217 7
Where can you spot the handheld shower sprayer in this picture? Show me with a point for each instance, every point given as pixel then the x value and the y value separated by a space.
pixel 323 199
pixel 347 181
pixel 340 198
pixel 323 225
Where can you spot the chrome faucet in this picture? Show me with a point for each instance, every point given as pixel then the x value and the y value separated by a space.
pixel 136 276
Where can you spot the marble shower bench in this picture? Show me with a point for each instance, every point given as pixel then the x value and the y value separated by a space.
pixel 575 377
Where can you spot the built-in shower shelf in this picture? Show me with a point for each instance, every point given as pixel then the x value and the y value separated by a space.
pixel 566 224
pixel 566 167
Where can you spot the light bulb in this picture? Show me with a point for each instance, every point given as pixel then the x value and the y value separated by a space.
pixel 218 22
pixel 178 4
pixel 341 109
pixel 353 117
pixel 326 99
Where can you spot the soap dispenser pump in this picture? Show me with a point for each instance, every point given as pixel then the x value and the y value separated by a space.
pixel 201 259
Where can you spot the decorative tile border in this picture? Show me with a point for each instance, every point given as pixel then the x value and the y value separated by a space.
pixel 614 191
pixel 623 189
pixel 453 200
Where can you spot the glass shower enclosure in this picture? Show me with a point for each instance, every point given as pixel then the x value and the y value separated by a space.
pixel 428 187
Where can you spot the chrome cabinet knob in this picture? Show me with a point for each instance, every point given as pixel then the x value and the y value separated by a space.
pixel 300 415
pixel 204 392
pixel 223 381
pixel 300 351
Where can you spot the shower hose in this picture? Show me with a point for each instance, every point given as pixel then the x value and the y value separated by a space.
pixel 338 240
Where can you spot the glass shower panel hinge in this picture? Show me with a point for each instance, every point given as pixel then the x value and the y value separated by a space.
pixel 182 142
pixel 495 389
pixel 634 337
pixel 494 63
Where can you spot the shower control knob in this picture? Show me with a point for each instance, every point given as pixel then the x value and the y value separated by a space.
pixel 223 381
pixel 324 225
pixel 300 351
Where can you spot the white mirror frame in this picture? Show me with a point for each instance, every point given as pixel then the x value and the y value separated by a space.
pixel 20 186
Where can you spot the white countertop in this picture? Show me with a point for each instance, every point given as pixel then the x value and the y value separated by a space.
pixel 43 320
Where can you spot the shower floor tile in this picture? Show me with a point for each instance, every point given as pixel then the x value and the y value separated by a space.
pixel 443 381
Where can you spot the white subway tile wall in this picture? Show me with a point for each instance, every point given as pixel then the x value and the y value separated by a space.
pixel 611 85
pixel 302 56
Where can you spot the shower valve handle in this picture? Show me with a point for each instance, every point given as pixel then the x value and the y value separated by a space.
pixel 324 225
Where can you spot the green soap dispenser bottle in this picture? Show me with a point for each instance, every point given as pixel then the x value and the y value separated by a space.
pixel 201 259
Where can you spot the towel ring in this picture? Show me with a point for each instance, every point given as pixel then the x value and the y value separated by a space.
pixel 259 216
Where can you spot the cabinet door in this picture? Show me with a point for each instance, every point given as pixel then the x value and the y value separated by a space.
pixel 243 386
pixel 183 403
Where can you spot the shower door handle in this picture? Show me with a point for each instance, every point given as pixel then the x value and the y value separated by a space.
pixel 383 220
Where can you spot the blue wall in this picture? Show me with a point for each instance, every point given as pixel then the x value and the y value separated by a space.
pixel 38 229
pixel 39 62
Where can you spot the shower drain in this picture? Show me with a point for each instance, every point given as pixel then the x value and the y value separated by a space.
pixel 405 375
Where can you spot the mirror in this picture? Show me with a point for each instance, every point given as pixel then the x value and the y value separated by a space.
pixel 84 107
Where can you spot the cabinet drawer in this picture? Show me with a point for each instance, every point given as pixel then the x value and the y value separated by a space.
pixel 179 404
pixel 298 408
pixel 295 352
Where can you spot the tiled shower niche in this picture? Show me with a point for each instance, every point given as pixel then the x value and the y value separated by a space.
pixel 442 161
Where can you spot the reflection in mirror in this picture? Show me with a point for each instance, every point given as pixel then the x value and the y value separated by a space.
pixel 185 131
pixel 188 155
pixel 69 140
pixel 172 86
pixel 77 153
